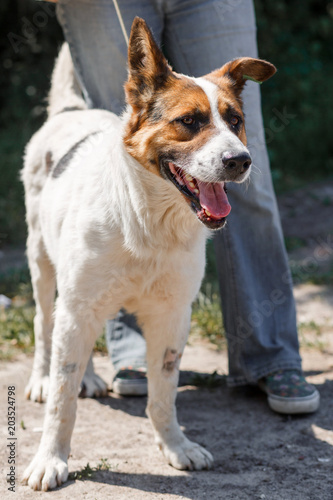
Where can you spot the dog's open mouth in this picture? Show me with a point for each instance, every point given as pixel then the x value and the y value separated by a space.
pixel 208 199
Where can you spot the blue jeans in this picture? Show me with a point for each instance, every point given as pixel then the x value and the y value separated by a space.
pixel 197 37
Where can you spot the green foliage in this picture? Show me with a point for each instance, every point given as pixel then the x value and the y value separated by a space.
pixel 16 322
pixel 100 344
pixel 293 243
pixel 207 319
pixel 16 282
pixel 210 381
pixel 311 272
pixel 29 42
pixel 298 38
pixel 311 336
pixel 322 278
pixel 16 331
pixel 87 472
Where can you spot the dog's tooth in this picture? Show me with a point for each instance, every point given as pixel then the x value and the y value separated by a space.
pixel 192 185
pixel 196 191
pixel 188 177
pixel 172 168
pixel 208 212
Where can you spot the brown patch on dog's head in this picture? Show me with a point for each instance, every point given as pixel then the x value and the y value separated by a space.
pixel 231 79
pixel 153 90
pixel 148 68
pixel 159 98
pixel 236 72
pixel 230 108
pixel 190 131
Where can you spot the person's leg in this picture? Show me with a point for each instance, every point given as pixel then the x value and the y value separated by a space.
pixel 126 347
pixel 98 47
pixel 254 277
pixel 257 299
pixel 127 350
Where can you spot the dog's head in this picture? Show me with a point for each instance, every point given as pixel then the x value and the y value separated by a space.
pixel 189 130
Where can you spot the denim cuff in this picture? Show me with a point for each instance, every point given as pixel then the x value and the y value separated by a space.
pixel 252 376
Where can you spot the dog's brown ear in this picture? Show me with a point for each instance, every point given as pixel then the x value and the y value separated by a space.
pixel 148 69
pixel 245 68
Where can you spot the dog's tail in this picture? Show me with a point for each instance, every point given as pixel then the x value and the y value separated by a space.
pixel 65 93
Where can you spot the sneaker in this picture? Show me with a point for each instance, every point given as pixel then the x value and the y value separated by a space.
pixel 130 382
pixel 288 392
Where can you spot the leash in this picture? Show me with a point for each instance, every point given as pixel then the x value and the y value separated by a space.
pixel 121 21
pixel 123 29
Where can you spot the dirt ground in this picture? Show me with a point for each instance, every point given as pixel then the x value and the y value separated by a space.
pixel 258 454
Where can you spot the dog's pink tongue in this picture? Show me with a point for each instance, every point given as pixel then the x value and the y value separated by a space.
pixel 214 199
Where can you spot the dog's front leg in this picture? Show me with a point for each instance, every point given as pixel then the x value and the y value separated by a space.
pixel 166 338
pixel 72 342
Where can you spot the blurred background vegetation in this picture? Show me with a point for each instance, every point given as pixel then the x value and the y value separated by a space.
pixel 296 36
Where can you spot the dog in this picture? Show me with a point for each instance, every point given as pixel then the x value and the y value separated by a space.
pixel 118 213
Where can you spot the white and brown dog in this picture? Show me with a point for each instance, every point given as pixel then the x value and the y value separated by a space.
pixel 118 211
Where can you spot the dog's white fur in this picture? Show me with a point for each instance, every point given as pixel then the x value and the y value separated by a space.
pixel 109 234
pixel 97 233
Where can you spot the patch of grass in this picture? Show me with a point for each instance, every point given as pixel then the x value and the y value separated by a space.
pixel 211 381
pixel 293 243
pixel 322 278
pixel 16 282
pixel 16 322
pixel 310 335
pixel 327 201
pixel 207 319
pixel 100 344
pixel 311 272
pixel 16 331
pixel 87 472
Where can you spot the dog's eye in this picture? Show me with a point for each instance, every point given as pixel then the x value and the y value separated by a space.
pixel 234 120
pixel 187 120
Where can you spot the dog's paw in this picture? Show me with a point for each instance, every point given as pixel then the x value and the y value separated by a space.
pixel 92 386
pixel 45 474
pixel 37 388
pixel 187 455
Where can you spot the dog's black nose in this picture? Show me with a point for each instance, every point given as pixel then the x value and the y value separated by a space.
pixel 238 163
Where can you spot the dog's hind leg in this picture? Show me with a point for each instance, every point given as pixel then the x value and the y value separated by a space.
pixel 166 336
pixel 92 386
pixel 75 332
pixel 43 283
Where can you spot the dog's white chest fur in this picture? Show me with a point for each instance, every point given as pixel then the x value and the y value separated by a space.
pixel 110 227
